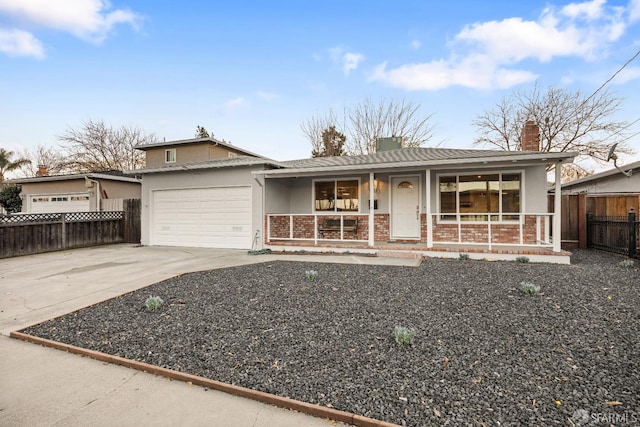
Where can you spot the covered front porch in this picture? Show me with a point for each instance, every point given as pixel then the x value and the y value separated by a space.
pixel 348 233
pixel 491 211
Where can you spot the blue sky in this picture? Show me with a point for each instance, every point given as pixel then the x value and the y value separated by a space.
pixel 252 71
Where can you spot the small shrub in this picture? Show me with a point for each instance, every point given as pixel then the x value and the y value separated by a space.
pixel 522 259
pixel 403 335
pixel 311 274
pixel 530 288
pixel 627 263
pixel 463 257
pixel 153 303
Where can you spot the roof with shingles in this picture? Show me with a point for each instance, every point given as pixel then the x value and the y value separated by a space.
pixel 238 161
pixel 392 159
pixel 415 157
pixel 601 175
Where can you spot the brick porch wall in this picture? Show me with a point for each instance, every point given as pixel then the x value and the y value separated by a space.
pixel 303 228
pixel 477 233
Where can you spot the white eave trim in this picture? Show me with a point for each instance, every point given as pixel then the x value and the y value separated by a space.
pixel 525 160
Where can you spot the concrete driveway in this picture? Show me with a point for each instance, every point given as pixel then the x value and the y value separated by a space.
pixel 43 386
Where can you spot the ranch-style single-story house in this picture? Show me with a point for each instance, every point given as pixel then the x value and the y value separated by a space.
pixel 430 201
pixel 83 192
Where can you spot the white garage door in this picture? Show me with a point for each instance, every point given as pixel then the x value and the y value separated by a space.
pixel 217 217
pixel 59 203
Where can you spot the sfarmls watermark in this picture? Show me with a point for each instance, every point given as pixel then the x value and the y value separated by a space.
pixel 583 417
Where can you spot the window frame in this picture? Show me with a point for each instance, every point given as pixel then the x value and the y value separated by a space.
pixel 335 210
pixel 500 214
pixel 170 155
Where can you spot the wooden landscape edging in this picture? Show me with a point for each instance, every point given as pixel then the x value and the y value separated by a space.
pixel 282 402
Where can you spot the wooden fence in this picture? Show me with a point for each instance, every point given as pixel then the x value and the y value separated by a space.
pixel 36 233
pixel 575 208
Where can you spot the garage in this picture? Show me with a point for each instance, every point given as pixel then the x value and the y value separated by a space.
pixel 55 203
pixel 213 217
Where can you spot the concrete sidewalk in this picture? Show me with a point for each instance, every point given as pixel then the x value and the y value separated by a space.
pixel 42 386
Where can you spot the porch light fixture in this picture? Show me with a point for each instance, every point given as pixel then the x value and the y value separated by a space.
pixel 405 184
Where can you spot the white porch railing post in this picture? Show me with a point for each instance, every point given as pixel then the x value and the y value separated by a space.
pixel 315 229
pixel 268 228
pixel 428 210
pixel 489 229
pixel 371 208
pixel 291 226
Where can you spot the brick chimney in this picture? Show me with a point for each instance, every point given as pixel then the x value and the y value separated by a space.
pixel 42 171
pixel 530 137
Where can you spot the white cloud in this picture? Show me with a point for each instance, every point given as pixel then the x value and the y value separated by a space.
pixel 485 55
pixel 349 61
pixel 477 72
pixel 267 96
pixel 590 10
pixel 90 20
pixel 235 104
pixel 20 43
pixel 634 10
pixel 416 44
pixel 626 75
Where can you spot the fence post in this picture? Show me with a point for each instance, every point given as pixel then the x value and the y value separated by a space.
pixel 589 229
pixel 632 233
pixel 64 231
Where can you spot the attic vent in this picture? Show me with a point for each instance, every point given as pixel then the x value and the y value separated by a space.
pixel 390 143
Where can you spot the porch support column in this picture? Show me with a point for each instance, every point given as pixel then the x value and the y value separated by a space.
pixel 557 207
pixel 371 213
pixel 428 210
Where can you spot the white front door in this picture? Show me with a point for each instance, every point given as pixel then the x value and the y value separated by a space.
pixel 405 207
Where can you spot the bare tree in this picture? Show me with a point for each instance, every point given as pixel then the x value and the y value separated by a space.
pixel 53 161
pixel 98 147
pixel 371 120
pixel 568 122
pixel 314 127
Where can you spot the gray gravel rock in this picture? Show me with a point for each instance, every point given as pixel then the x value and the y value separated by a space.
pixel 485 353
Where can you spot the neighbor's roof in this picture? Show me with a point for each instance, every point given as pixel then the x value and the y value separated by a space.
pixel 106 175
pixel 416 157
pixel 211 141
pixel 601 175
pixel 209 164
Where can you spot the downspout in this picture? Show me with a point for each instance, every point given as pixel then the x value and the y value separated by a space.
pixel 98 193
pixel 263 210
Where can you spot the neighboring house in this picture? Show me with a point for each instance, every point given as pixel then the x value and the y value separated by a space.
pixel 84 192
pixel 611 182
pixel 417 199
pixel 606 194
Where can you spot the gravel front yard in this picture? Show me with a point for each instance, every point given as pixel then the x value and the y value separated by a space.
pixel 485 353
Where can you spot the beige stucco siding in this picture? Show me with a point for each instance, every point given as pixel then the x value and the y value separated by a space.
pixel 120 190
pixel 71 186
pixel 614 184
pixel 113 189
pixel 184 154
pixel 155 157
pixel 228 177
